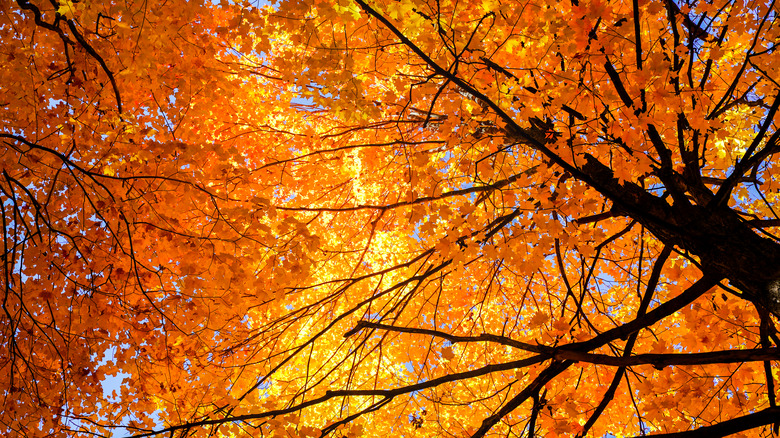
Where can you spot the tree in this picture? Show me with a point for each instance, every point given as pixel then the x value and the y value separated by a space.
pixel 415 218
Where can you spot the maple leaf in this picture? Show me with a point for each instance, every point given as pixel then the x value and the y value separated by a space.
pixel 282 218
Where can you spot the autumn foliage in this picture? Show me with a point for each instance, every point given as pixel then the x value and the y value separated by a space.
pixel 415 218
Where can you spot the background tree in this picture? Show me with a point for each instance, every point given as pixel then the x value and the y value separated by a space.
pixel 404 218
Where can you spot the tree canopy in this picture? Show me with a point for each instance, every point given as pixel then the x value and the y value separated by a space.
pixel 415 218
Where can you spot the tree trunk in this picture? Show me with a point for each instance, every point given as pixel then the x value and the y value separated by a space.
pixel 724 243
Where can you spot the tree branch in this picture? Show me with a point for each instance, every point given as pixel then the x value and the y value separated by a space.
pixel 728 427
